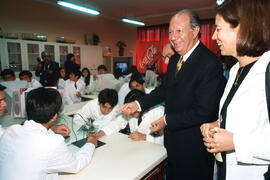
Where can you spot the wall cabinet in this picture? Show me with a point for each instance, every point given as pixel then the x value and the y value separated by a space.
pixel 23 54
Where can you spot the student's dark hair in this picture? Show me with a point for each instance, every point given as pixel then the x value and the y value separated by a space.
pixel 87 78
pixel 253 38
pixel 25 73
pixel 7 72
pixel 2 88
pixel 76 73
pixel 133 95
pixel 42 104
pixel 136 77
pixel 108 96
pixel 102 67
pixel 69 56
pixel 117 73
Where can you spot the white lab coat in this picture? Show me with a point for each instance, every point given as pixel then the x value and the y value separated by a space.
pixel 104 81
pixel 123 91
pixel 147 118
pixel 150 79
pixel 91 110
pixel 34 84
pixel 247 118
pixel 1 130
pixel 70 91
pixel 32 152
pixel 61 83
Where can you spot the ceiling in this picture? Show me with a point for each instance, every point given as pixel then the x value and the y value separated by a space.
pixel 150 11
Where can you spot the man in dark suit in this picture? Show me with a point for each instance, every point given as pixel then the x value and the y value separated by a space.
pixel 47 70
pixel 192 87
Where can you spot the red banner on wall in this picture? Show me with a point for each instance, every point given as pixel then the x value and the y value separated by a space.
pixel 150 55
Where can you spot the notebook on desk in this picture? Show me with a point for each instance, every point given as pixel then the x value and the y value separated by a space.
pixel 81 142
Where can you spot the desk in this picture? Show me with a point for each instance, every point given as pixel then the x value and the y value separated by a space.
pixel 89 96
pixel 73 108
pixel 120 159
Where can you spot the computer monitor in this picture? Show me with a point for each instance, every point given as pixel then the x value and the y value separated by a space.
pixel 11 88
pixel 121 65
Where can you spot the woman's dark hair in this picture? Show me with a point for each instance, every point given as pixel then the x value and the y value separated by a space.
pixel 59 73
pixel 42 104
pixel 87 78
pixel 108 96
pixel 133 95
pixel 69 56
pixel 254 24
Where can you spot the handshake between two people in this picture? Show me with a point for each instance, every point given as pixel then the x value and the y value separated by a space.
pixel 133 107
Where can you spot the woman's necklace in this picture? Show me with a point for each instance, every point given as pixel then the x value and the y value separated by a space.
pixel 238 76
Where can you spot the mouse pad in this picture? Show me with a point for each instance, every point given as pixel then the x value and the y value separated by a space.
pixel 81 142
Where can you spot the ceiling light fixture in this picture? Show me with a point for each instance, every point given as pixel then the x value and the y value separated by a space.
pixel 78 7
pixel 133 21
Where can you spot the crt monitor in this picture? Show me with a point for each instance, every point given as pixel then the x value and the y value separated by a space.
pixel 121 65
pixel 11 87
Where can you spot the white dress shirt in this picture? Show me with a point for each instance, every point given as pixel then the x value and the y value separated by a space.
pixel 91 110
pixel 70 91
pixel 31 152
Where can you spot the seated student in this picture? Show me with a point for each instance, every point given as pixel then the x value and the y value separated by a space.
pixel 32 150
pixel 74 87
pixel 88 80
pixel 61 78
pixel 27 76
pixel 102 110
pixel 137 82
pixel 2 105
pixel 8 75
pixel 139 124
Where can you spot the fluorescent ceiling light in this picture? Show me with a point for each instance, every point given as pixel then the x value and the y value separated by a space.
pixel 78 7
pixel 133 21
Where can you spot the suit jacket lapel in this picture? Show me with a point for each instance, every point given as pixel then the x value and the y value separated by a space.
pixel 189 62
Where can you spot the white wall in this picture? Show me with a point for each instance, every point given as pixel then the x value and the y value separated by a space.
pixel 26 16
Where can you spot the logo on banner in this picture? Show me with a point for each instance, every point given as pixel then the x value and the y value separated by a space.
pixel 150 56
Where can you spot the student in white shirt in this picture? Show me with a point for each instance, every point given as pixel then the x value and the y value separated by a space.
pixel 62 78
pixel 102 111
pixel 27 76
pixel 137 82
pixel 3 105
pixel 138 124
pixel 74 87
pixel 33 151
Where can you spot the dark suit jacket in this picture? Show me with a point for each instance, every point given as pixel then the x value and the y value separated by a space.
pixel 46 78
pixel 191 99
